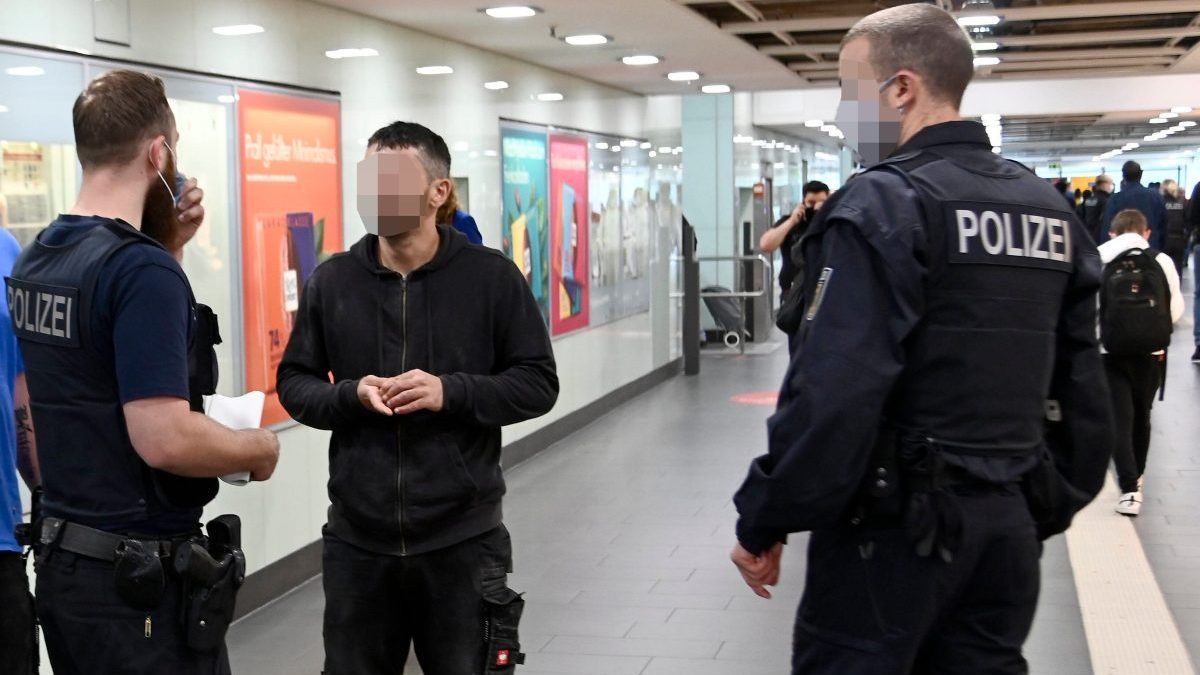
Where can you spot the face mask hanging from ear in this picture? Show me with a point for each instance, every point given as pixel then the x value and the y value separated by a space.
pixel 872 130
pixel 160 215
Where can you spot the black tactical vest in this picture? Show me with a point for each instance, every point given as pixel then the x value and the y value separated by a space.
pixel 1002 248
pixel 91 473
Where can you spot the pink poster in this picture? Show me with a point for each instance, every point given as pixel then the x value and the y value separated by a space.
pixel 568 233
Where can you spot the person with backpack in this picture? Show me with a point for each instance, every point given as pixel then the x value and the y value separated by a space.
pixel 1140 301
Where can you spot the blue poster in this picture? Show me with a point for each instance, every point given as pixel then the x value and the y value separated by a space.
pixel 525 228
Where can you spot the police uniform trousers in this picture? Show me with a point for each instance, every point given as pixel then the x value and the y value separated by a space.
pixel 872 606
pixel 18 646
pixel 377 606
pixel 89 629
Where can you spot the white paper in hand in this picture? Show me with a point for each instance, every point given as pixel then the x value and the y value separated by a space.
pixel 243 412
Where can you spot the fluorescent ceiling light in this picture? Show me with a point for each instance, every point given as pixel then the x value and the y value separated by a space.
pixel 351 53
pixel 495 86
pixel 979 21
pixel 226 98
pixel 985 46
pixel 666 149
pixel 1181 109
pixel 435 70
pixel 827 128
pixel 511 12
pixel 683 76
pixel 715 89
pixel 586 40
pixel 629 143
pixel 25 71
pixel 982 61
pixel 1158 120
pixel 1187 124
pixel 615 148
pixel 641 60
pixel 239 29
pixel 550 97
pixel 814 124
pixel 826 156
pixel 1169 115
pixel 644 146
pixel 601 146
pixel 677 149
pixel 653 154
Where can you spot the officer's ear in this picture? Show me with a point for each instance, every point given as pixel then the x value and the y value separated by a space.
pixel 159 161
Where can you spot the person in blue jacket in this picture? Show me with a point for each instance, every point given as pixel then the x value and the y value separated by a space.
pixel 1134 195
pixel 949 304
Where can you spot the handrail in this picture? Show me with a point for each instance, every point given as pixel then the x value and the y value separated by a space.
pixel 767 286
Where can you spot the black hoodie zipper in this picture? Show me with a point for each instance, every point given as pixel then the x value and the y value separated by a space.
pixel 399 443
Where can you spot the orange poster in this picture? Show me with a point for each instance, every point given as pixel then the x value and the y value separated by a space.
pixel 291 220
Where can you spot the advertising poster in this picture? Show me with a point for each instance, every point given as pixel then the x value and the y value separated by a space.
pixel 525 228
pixel 604 239
pixel 568 233
pixel 291 220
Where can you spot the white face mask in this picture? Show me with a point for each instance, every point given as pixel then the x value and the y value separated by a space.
pixel 872 130
pixel 175 160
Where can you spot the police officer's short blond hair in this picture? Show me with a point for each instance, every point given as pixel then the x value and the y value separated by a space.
pixel 923 39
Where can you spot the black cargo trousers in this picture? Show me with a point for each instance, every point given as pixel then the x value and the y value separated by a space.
pixel 440 604
pixel 872 606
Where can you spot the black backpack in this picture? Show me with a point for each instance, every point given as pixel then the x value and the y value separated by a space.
pixel 1135 304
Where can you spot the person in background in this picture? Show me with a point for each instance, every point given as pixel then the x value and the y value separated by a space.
pixel 433 345
pixel 450 214
pixel 1175 242
pixel 1093 208
pixel 786 231
pixel 1194 226
pixel 1078 198
pixel 1133 379
pixel 18 453
pixel 1135 196
pixel 1086 195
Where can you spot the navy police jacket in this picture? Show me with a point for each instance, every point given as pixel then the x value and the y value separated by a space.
pixel 948 293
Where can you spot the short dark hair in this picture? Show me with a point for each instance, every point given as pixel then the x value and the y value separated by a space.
pixel 1129 220
pixel 815 186
pixel 921 38
pixel 116 113
pixel 432 149
pixel 1131 171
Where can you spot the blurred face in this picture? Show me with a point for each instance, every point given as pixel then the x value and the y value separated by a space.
pixel 394 192
pixel 871 126
pixel 1105 186
pixel 814 200
pixel 1170 188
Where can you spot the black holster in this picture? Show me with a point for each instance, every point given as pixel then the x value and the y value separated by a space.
pixel 502 608
pixel 211 570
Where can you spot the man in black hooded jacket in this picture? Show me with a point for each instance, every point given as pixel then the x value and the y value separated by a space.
pixel 415 348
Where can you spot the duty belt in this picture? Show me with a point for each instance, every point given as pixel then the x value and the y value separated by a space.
pixel 93 543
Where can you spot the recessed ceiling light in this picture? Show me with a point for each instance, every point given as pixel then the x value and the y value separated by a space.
pixel 586 40
pixel 828 128
pixel 549 97
pixel 511 12
pixel 985 46
pixel 25 71
pixel 239 29
pixel 435 70
pixel 715 89
pixel 615 148
pixel 653 154
pixel 351 53
pixel 226 98
pixel 979 21
pixel 683 76
pixel 629 143
pixel 676 150
pixel 1169 115
pixel 644 146
pixel 1187 124
pixel 495 86
pixel 1181 109
pixel 814 124
pixel 641 60
pixel 1158 120
pixel 601 146
pixel 983 61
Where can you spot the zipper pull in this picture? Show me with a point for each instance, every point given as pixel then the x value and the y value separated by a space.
pixel 149 626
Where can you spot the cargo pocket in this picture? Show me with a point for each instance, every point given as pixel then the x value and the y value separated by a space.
pixel 501 617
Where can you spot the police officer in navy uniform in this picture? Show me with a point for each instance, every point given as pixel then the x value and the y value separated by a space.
pixel 946 406
pixel 105 317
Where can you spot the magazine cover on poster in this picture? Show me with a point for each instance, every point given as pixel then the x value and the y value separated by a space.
pixel 291 220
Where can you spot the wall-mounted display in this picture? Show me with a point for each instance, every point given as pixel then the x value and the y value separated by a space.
pixel 291 220
pixel 525 228
pixel 569 233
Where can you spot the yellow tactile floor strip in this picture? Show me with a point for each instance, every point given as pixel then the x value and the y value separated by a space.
pixel 1130 630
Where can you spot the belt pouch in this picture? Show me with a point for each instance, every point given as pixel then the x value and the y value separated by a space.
pixel 139 575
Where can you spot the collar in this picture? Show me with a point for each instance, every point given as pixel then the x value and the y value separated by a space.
pixel 947 133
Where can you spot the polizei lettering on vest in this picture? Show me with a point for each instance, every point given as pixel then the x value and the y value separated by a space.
pixel 1015 235
pixel 43 313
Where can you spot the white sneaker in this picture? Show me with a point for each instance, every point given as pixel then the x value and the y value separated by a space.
pixel 1130 504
